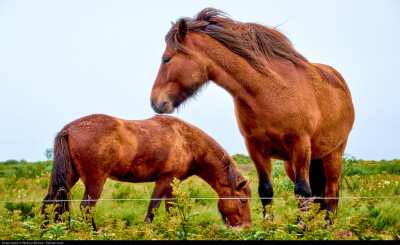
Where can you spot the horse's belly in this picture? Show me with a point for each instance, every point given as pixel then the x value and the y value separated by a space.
pixel 138 171
pixel 131 177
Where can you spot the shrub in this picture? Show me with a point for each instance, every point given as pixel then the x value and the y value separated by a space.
pixel 123 192
pixel 24 207
pixel 24 169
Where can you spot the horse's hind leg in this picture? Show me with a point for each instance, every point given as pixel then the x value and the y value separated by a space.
pixel 73 179
pixel 168 203
pixel 289 170
pixel 93 189
pixel 161 189
pixel 317 181
pixel 333 169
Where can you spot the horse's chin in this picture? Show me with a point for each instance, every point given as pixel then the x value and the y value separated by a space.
pixel 165 111
pixel 169 110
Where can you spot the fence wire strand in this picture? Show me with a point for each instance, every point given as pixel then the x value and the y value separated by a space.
pixel 202 198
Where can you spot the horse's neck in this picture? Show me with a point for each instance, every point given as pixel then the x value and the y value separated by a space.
pixel 226 69
pixel 218 178
pixel 233 73
pixel 212 162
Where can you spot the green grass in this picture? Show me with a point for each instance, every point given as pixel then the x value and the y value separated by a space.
pixel 123 220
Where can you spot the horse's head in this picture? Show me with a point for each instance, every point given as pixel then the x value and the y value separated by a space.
pixel 236 212
pixel 182 71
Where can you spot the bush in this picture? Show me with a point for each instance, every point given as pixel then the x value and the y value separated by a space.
pixel 24 207
pixel 25 169
pixel 123 192
pixel 243 160
pixel 8 162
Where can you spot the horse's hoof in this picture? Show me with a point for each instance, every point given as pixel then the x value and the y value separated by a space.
pixel 148 220
pixel 269 217
pixel 328 224
pixel 304 204
pixel 302 225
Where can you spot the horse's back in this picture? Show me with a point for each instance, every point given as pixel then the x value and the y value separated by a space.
pixel 196 139
pixel 91 132
pixel 101 134
pixel 93 144
pixel 332 76
pixel 133 150
pixel 96 123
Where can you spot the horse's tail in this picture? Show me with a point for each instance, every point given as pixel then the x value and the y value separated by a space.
pixel 318 181
pixel 61 175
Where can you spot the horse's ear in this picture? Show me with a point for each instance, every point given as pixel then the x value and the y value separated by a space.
pixel 243 184
pixel 182 29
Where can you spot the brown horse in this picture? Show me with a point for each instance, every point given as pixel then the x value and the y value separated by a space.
pixel 98 147
pixel 286 107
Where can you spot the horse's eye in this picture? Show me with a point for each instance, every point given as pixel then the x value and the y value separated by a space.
pixel 166 59
pixel 242 201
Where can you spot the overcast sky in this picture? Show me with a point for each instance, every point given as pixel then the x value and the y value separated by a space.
pixel 61 60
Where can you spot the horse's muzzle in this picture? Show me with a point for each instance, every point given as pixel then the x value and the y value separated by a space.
pixel 160 107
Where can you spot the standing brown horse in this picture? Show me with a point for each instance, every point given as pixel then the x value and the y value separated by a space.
pixel 158 149
pixel 286 107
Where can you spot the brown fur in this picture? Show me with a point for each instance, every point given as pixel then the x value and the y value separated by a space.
pixel 98 147
pixel 286 107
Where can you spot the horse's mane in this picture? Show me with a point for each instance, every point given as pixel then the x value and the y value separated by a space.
pixel 233 174
pixel 231 170
pixel 254 42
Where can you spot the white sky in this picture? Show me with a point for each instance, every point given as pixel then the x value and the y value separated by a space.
pixel 61 60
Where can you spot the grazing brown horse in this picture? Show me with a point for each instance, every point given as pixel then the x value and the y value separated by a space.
pixel 158 149
pixel 286 107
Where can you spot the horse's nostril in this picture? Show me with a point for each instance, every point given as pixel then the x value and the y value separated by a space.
pixel 152 103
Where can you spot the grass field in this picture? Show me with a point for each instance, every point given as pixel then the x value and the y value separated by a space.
pixel 367 218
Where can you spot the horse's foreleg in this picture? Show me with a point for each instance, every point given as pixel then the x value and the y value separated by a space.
pixel 316 179
pixel 301 160
pixel 264 168
pixel 161 189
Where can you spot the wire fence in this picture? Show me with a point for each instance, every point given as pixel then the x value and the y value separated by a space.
pixel 203 198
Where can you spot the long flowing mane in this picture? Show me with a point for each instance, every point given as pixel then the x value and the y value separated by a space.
pixel 254 42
